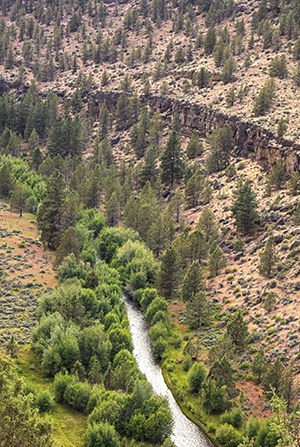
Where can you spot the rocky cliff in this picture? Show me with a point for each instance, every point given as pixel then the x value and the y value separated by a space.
pixel 250 140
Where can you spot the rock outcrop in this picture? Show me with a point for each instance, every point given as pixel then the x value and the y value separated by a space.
pixel 250 140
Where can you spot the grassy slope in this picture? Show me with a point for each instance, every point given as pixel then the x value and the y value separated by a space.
pixel 69 425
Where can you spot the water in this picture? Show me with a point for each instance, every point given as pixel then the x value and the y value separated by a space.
pixel 185 433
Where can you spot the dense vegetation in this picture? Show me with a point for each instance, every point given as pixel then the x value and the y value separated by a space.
pixel 126 196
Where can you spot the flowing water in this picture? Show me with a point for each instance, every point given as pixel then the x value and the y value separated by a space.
pixel 185 433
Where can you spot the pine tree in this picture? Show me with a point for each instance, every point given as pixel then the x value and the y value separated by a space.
pixel 207 223
pixel 113 210
pixel 6 181
pixel 278 174
pixel 272 378
pixel 196 246
pixel 172 164
pixel 33 142
pixel 149 170
pixel 210 41
pixel 50 211
pixel 267 258
pixel 170 273
pixel 198 311
pixel 222 372
pixel 264 100
pixel 244 208
pixel 193 282
pixel 159 233
pixel 221 145
pixel 69 243
pixel 195 147
pixel 237 329
pixel 217 260
pixel 259 364
pixel 19 197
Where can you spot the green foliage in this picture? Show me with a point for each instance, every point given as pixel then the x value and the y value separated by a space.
pixel 196 377
pixel 50 211
pixel 244 208
pixel 20 422
pixel 237 329
pixel 228 435
pixel 234 417
pixel 102 434
pixel 172 164
pixel 44 402
pixel 215 397
pixel 193 281
pixel 221 145
pixel 267 258
pixel 170 273
pixel 264 100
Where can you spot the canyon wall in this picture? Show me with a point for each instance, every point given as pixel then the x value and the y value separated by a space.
pixel 250 140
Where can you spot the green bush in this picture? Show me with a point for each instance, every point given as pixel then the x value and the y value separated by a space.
pixel 233 417
pixel 102 435
pixel 196 377
pixel 44 402
pixel 228 436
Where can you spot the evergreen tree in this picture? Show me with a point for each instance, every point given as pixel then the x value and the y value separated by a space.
pixel 193 282
pixel 259 364
pixel 18 198
pixel 50 211
pixel 278 174
pixel 264 99
pixel 198 311
pixel 172 163
pixel 207 223
pixel 69 243
pixel 244 208
pixel 195 146
pixel 6 181
pixel 222 372
pixel 149 170
pixel 267 258
pixel 217 260
pixel 170 273
pixel 210 41
pixel 237 329
pixel 272 378
pixel 221 145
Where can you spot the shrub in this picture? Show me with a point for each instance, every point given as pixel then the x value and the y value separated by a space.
pixel 196 377
pixel 228 436
pixel 44 402
pixel 233 417
pixel 102 435
pixel 77 395
pixel 159 347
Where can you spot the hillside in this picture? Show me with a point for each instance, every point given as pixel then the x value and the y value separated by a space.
pixel 152 149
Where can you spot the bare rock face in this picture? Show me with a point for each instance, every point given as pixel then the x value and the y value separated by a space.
pixel 250 140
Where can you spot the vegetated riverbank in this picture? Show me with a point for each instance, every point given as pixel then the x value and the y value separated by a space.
pixel 185 432
pixel 186 412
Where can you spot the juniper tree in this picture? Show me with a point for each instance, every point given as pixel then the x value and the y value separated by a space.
pixel 244 208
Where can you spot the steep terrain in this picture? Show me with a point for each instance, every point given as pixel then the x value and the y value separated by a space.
pixel 158 144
